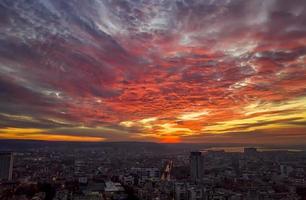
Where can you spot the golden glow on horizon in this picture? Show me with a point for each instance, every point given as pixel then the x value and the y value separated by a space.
pixel 253 117
pixel 20 131
pixel 39 134
pixel 170 139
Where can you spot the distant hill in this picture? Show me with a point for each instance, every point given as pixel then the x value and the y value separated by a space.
pixel 34 144
pixel 20 145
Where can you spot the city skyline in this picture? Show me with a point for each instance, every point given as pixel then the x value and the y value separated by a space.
pixel 218 71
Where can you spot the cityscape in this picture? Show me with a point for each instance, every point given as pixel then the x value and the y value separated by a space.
pixel 152 99
pixel 150 171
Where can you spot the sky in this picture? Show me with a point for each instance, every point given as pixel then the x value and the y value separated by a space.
pixel 196 71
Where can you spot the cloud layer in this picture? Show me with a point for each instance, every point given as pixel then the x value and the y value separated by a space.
pixel 190 71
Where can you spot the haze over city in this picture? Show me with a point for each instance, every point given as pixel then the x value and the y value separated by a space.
pixel 217 71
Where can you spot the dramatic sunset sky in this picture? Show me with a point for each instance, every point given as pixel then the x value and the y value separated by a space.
pixel 153 70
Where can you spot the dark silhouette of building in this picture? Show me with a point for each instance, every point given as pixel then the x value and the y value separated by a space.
pixel 6 165
pixel 196 166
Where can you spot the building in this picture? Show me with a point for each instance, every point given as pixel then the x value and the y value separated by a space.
pixel 195 193
pixel 285 170
pixel 196 166
pixel 250 151
pixel 114 190
pixel 180 191
pixel 147 173
pixel 150 173
pixel 6 166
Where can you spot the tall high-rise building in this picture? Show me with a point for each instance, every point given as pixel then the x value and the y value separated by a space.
pixel 196 166
pixel 6 165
